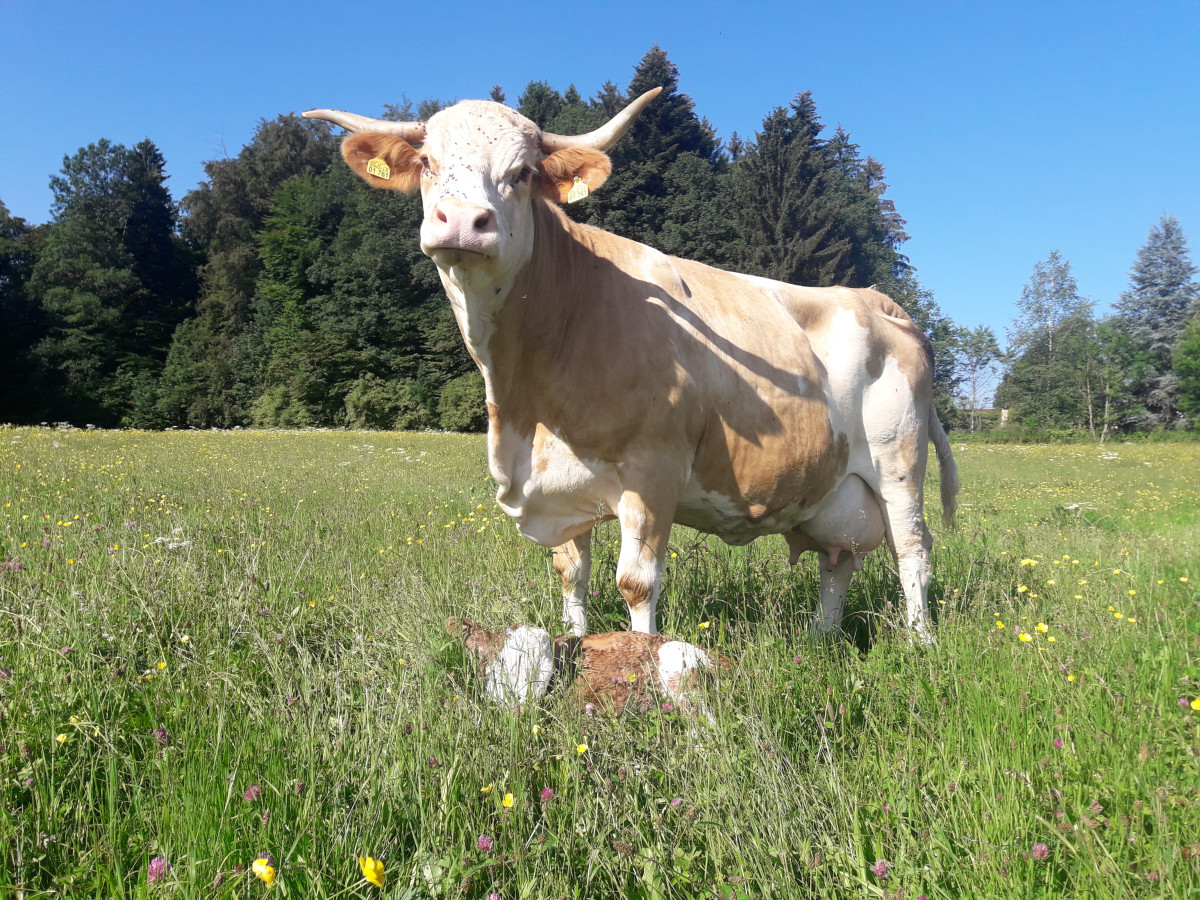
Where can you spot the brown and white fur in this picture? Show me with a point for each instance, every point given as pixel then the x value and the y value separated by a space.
pixel 619 669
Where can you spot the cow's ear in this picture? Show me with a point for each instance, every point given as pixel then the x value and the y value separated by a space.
pixel 401 169
pixel 559 171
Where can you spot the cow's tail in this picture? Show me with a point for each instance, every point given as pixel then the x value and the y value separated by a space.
pixel 947 467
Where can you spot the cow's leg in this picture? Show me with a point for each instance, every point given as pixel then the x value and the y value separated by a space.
pixel 835 582
pixel 644 532
pixel 912 545
pixel 573 562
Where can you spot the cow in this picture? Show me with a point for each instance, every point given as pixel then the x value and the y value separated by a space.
pixel 622 383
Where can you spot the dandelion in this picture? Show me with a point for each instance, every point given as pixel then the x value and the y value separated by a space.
pixel 880 869
pixel 372 870
pixel 484 844
pixel 252 793
pixel 581 749
pixel 264 868
pixel 1026 638
pixel 156 870
pixel 508 801
pixel 1040 852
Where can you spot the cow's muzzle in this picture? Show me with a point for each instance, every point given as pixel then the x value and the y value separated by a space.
pixel 459 232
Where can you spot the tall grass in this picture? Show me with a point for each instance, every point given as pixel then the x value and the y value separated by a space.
pixel 188 616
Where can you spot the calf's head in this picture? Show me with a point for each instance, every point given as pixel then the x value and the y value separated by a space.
pixel 478 165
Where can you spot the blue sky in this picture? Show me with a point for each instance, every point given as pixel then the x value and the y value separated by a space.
pixel 1008 130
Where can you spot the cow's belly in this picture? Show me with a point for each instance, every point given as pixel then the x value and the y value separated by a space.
pixel 549 492
pixel 728 519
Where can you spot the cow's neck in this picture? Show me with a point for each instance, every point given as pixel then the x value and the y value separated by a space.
pixel 530 346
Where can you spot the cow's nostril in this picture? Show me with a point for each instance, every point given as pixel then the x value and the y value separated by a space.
pixel 483 220
pixel 441 216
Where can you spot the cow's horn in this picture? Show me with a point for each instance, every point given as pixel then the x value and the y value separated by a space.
pixel 413 132
pixel 605 136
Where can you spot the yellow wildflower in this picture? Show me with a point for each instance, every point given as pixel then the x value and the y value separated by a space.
pixel 631 677
pixel 63 738
pixel 487 789
pixel 999 624
pixel 703 625
pixel 1131 621
pixel 508 800
pixel 1021 588
pixel 372 870
pixel 1050 639
pixel 1196 703
pixel 1025 637
pixel 1070 678
pixel 263 869
pixel 581 749
pixel 1042 627
pixel 162 664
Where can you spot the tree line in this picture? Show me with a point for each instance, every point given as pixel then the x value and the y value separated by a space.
pixel 284 292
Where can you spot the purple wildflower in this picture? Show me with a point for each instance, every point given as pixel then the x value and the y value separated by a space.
pixel 164 736
pixel 1058 742
pixel 5 673
pixel 668 707
pixel 797 660
pixel 64 650
pixel 253 793
pixel 493 896
pixel 485 844
pixel 547 794
pixel 589 709
pixel 1183 701
pixel 1040 852
pixel 677 802
pixel 880 869
pixel 157 870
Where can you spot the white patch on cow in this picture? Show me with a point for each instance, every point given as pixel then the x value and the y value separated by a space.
pixel 676 659
pixel 889 411
pixel 523 668
pixel 549 491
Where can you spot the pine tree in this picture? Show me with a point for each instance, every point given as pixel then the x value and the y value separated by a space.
pixel 113 281
pixel 1156 309
pixel 21 399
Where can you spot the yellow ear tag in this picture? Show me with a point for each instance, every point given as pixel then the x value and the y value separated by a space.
pixel 578 190
pixel 379 168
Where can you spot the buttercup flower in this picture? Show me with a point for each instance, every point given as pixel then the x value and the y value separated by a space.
pixel 372 870
pixel 581 749
pixel 264 868
pixel 1042 627
pixel 508 800
pixel 1025 637
pixel 1196 704
pixel 487 789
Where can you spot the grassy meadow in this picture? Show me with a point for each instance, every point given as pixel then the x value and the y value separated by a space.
pixel 223 647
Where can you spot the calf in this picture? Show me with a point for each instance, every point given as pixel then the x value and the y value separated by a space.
pixel 523 663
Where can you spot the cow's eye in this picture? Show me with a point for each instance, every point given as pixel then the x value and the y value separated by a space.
pixel 523 175
pixel 426 169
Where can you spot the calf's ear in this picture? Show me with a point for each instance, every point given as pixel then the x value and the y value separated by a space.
pixel 401 169
pixel 559 171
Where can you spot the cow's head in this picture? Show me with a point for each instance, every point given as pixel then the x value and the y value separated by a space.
pixel 478 165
